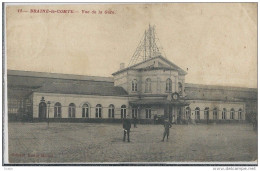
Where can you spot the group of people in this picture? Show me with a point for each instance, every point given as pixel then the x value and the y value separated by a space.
pixel 127 127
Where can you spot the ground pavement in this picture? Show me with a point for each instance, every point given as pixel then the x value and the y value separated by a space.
pixel 100 142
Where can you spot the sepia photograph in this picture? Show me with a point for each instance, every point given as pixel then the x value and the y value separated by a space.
pixel 159 84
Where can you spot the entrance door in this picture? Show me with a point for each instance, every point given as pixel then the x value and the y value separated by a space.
pixel 42 110
pixel 179 113
pixel 170 113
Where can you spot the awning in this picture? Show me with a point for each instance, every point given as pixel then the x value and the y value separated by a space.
pixel 159 102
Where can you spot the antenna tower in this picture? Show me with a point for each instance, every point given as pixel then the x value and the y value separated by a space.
pixel 147 47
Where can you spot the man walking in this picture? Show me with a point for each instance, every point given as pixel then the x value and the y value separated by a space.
pixel 167 126
pixel 126 127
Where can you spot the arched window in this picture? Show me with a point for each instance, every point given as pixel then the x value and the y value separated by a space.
pixel 57 110
pixel 197 113
pixel 111 111
pixel 168 85
pixel 240 114
pixel 148 113
pixel 232 114
pixel 85 111
pixel 134 85
pixel 215 114
pixel 206 113
pixel 123 111
pixel 187 113
pixel 98 111
pixel 134 113
pixel 72 110
pixel 148 85
pixel 224 113
pixel 180 88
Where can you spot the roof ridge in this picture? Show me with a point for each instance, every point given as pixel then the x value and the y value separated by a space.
pixel 58 75
pixel 161 57
pixel 217 86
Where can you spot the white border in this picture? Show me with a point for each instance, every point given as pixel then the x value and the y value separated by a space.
pixel 5 128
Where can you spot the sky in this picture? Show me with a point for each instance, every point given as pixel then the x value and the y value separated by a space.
pixel 216 43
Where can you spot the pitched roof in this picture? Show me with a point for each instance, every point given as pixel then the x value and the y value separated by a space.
pixel 58 75
pixel 82 89
pixel 62 83
pixel 36 82
pixel 222 93
pixel 210 87
pixel 173 66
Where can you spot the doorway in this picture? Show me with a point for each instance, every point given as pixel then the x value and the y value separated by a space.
pixel 170 113
pixel 42 110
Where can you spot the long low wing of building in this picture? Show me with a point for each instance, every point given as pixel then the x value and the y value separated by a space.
pixel 64 97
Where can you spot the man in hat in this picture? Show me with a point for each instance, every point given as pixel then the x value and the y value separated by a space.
pixel 167 126
pixel 126 127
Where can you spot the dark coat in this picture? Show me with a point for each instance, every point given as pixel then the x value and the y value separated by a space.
pixel 167 125
pixel 126 124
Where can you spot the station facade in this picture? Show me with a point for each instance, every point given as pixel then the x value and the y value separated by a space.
pixel 148 90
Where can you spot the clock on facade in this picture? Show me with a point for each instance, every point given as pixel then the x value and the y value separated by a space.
pixel 175 96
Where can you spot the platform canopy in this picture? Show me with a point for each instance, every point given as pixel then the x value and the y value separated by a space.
pixel 159 102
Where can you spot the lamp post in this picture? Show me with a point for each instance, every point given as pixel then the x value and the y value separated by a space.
pixel 48 111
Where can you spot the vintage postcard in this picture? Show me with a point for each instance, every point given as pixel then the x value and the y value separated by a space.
pixel 130 84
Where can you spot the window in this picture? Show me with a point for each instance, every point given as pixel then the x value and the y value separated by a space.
pixel 57 110
pixel 180 88
pixel 13 105
pixel 232 114
pixel 240 114
pixel 134 85
pixel 148 85
pixel 187 113
pixel 168 85
pixel 134 113
pixel 72 110
pixel 111 111
pixel 98 111
pixel 206 113
pixel 224 113
pixel 215 114
pixel 197 113
pixel 123 111
pixel 148 113
pixel 85 111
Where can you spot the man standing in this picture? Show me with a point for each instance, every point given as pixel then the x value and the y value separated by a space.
pixel 126 127
pixel 167 126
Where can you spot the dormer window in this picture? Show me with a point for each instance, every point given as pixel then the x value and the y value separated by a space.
pixel 148 85
pixel 168 85
pixel 134 85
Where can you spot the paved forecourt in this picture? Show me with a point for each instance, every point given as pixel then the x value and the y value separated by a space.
pixel 90 142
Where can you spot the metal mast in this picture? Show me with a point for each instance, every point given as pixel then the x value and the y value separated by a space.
pixel 147 47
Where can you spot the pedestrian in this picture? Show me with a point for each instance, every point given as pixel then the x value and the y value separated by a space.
pixel 126 127
pixel 167 126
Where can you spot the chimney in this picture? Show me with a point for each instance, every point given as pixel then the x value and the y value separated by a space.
pixel 122 66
